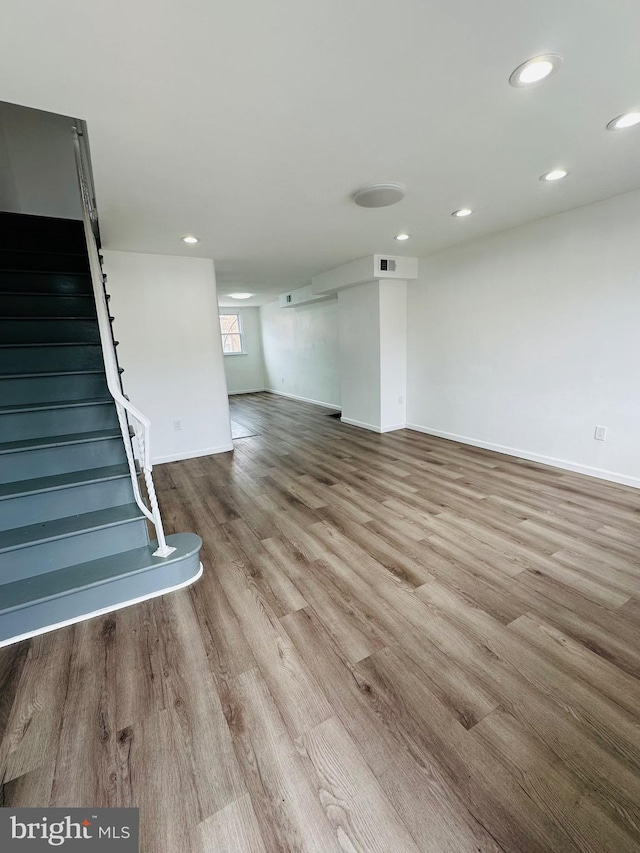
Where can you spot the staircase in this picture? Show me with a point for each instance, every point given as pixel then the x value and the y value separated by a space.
pixel 74 542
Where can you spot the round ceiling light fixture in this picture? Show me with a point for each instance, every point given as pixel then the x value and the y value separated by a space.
pixel 464 211
pixel 535 70
pixel 240 295
pixel 189 239
pixel 402 236
pixel 554 175
pixel 624 121
pixel 379 195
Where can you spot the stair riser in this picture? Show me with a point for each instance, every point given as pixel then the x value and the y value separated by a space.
pixel 27 241
pixel 34 282
pixel 47 506
pixel 22 231
pixel 49 331
pixel 76 604
pixel 48 556
pixel 44 262
pixel 47 461
pixel 38 305
pixel 52 422
pixel 50 359
pixel 49 389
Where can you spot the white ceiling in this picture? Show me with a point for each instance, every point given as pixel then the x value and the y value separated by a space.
pixel 250 123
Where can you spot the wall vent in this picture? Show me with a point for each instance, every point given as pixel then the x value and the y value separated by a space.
pixel 387 265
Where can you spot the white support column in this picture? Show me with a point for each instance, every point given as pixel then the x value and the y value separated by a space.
pixel 373 354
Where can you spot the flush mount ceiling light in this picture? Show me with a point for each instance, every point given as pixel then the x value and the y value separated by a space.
pixel 535 70
pixel 240 295
pixel 189 239
pixel 379 195
pixel 402 236
pixel 464 211
pixel 554 175
pixel 624 121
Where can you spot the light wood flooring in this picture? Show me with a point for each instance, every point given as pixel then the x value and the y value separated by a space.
pixel 398 644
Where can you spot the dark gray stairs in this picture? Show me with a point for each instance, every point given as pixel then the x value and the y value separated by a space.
pixel 73 542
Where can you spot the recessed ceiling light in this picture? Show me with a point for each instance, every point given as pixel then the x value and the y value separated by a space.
pixel 402 236
pixel 241 295
pixel 464 211
pixel 624 121
pixel 535 70
pixel 189 239
pixel 554 175
pixel 379 195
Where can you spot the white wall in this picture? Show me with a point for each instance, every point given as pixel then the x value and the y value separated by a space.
pixel 301 351
pixel 526 340
pixel 37 164
pixel 245 372
pixel 167 323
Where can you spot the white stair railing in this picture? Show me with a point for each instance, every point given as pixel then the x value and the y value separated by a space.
pixel 127 412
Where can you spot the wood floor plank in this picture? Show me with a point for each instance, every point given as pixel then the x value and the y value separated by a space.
pixel 355 805
pixel 286 801
pixel 430 807
pixel 85 768
pixel 234 829
pixel 197 708
pixel 573 657
pixel 32 731
pixel 425 727
pixel 299 698
pixel 154 774
pixel 227 650
pixel 591 822
pixel 140 681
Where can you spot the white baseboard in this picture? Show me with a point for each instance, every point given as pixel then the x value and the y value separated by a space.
pixel 246 391
pixel 565 464
pixel 372 427
pixel 303 399
pixel 361 424
pixel 192 454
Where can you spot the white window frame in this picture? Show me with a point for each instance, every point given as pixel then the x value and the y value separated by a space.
pixel 237 314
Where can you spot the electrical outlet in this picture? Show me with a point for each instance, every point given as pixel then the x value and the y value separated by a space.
pixel 283 380
pixel 400 400
pixel 177 425
pixel 600 434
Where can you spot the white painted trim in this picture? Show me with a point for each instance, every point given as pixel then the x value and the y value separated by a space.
pixel 303 399
pixel 192 454
pixel 599 473
pixel 392 427
pixel 247 391
pixel 361 424
pixel 102 611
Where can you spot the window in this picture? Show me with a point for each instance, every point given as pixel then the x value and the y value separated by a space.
pixel 231 330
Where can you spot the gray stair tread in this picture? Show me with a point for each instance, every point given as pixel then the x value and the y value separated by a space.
pixel 47 531
pixel 58 318
pixel 46 374
pixel 28 591
pixel 61 481
pixel 58 404
pixel 46 293
pixel 54 343
pixel 59 440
